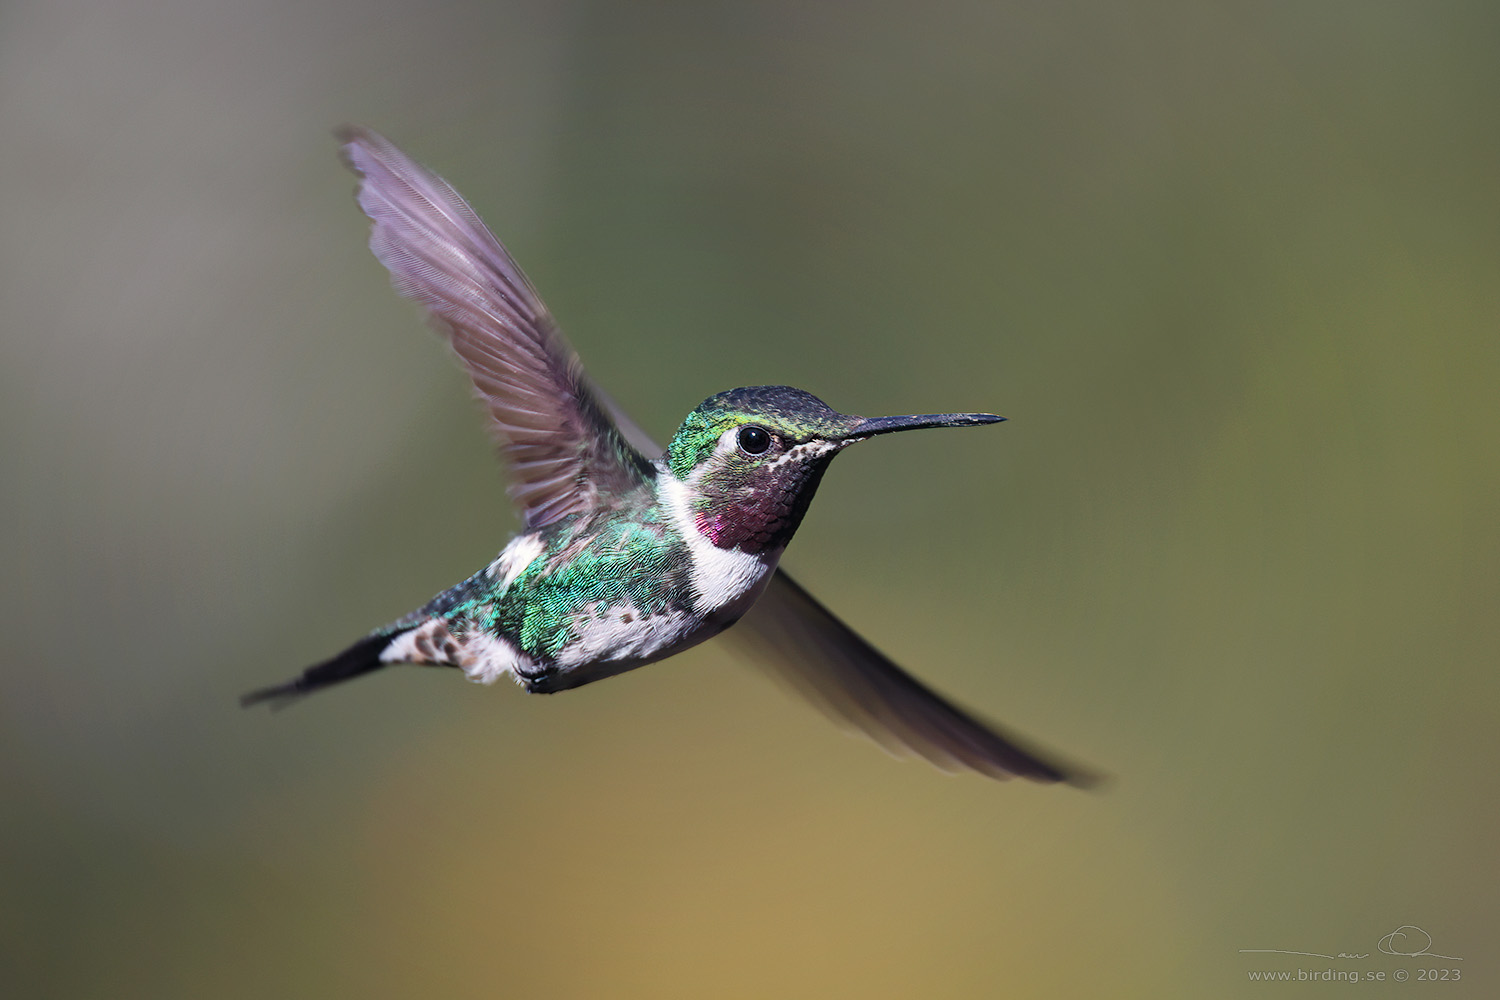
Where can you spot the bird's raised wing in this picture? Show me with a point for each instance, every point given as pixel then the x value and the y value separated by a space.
pixel 802 643
pixel 566 455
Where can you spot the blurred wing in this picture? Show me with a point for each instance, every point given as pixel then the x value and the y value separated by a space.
pixel 631 431
pixel 802 643
pixel 565 454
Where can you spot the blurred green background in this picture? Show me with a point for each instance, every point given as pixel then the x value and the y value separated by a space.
pixel 1232 270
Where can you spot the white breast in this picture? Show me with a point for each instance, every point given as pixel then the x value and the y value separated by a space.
pixel 721 577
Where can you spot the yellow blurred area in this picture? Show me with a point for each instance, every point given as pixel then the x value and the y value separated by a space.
pixel 1232 271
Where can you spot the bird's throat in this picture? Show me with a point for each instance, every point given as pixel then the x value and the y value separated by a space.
pixel 758 513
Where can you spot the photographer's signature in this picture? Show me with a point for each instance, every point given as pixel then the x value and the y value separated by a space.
pixel 1406 941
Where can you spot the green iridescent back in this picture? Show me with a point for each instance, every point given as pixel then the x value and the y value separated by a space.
pixel 633 563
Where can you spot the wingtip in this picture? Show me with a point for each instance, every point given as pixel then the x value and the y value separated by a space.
pixel 351 134
pixel 354 139
pixel 360 148
pixel 1082 779
pixel 1096 781
pixel 1043 769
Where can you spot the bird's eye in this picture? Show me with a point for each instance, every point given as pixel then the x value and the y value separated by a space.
pixel 754 440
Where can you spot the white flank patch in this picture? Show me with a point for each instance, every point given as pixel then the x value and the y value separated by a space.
pixel 482 657
pixel 403 648
pixel 487 658
pixel 720 576
pixel 621 633
pixel 518 553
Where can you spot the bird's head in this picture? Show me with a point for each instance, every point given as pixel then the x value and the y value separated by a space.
pixel 751 458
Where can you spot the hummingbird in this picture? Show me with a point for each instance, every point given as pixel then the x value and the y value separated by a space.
pixel 624 559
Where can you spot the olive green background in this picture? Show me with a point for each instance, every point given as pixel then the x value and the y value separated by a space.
pixel 1232 270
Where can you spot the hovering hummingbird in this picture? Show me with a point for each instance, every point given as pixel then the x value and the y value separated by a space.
pixel 624 559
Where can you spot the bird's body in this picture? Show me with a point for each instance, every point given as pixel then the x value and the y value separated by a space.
pixel 623 559
pixel 586 597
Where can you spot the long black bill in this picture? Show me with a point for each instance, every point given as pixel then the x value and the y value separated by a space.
pixel 885 425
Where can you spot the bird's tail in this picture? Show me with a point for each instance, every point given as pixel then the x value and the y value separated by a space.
pixel 359 659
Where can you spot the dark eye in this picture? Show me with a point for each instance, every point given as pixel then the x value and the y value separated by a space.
pixel 754 440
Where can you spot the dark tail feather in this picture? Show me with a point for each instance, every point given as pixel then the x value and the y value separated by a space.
pixel 359 659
